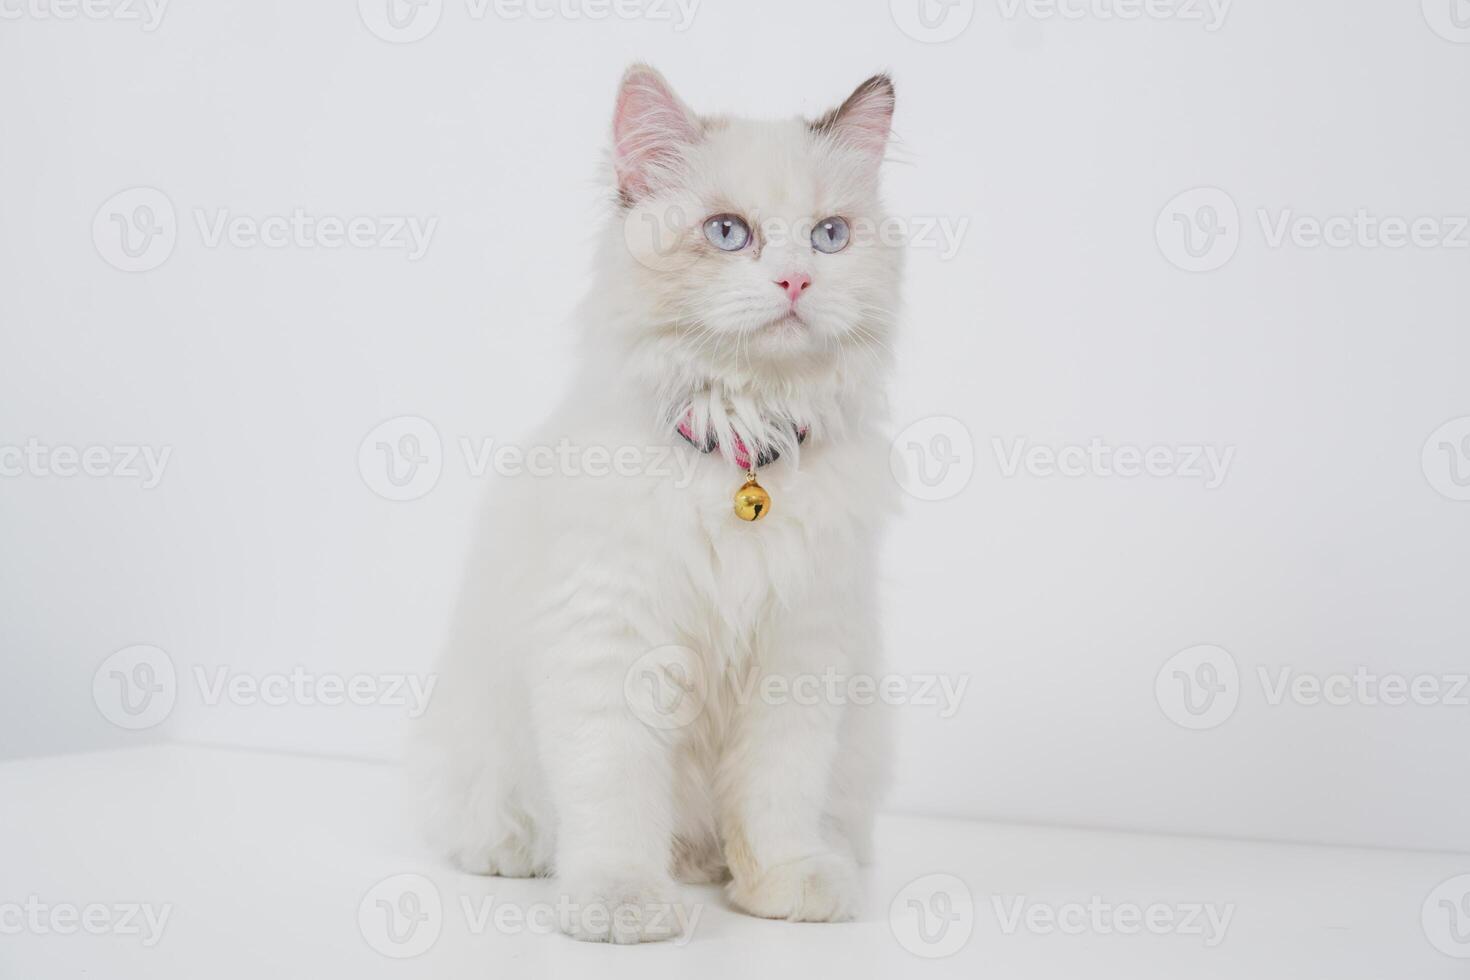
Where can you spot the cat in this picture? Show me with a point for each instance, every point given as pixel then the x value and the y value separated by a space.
pixel 610 706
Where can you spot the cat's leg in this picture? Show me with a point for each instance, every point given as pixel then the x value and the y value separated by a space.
pixel 610 778
pixel 776 777
pixel 860 771
pixel 482 797
pixel 491 826
pixel 484 808
pixel 698 859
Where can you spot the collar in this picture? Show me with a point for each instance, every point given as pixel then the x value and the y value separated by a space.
pixel 710 443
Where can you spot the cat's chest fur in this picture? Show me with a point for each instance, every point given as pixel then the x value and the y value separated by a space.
pixel 665 550
pixel 819 529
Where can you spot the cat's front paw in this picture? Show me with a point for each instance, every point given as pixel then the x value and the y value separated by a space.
pixel 621 910
pixel 822 888
pixel 509 859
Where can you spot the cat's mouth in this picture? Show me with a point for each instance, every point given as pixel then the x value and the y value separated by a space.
pixel 790 320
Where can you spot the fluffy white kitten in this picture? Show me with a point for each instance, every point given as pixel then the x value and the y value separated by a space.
pixel 606 710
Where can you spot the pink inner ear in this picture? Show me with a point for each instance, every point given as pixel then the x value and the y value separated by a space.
pixel 865 120
pixel 867 127
pixel 649 125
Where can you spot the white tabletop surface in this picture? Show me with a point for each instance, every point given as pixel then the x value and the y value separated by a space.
pixel 180 861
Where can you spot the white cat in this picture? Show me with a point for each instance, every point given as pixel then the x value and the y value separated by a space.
pixel 632 693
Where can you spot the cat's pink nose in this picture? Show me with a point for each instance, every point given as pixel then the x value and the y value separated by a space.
pixel 794 285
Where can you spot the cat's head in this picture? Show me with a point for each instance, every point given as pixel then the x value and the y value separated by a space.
pixel 755 247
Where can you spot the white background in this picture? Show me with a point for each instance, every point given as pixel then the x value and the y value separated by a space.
pixel 1055 141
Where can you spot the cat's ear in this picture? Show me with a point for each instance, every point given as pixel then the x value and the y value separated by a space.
pixel 864 120
pixel 650 128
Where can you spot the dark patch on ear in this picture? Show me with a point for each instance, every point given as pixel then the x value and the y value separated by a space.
pixel 875 85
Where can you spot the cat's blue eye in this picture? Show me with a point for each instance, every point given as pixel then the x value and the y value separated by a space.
pixel 831 235
pixel 727 232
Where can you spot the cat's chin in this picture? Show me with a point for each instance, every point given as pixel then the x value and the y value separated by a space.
pixel 786 332
pixel 764 358
pixel 787 342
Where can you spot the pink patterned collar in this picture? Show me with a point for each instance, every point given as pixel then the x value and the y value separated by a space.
pixel 710 443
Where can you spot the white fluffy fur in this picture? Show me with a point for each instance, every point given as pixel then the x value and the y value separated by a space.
pixel 538 766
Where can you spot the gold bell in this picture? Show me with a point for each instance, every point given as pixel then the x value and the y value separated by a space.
pixel 751 500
